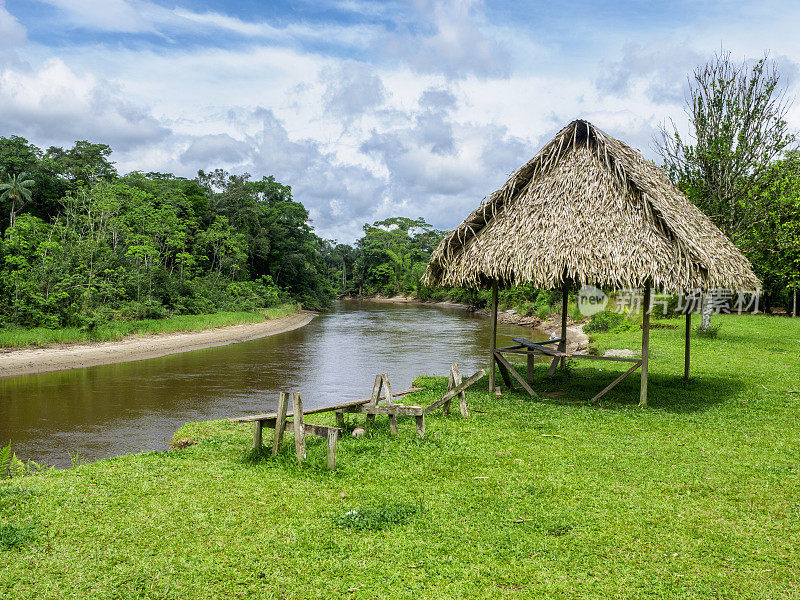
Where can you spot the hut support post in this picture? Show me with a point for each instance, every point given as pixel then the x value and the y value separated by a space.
pixel 688 345
pixel 645 346
pixel 493 337
pixel 562 346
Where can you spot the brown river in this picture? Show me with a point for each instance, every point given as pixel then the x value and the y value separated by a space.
pixel 98 412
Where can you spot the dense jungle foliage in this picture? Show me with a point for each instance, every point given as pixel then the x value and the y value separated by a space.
pixel 82 245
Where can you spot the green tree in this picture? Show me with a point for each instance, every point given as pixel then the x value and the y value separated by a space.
pixel 391 255
pixel 773 243
pixel 17 191
pixel 738 127
pixel 17 156
pixel 83 164
pixel 737 131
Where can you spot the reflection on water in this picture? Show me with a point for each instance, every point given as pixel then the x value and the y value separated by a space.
pixel 137 406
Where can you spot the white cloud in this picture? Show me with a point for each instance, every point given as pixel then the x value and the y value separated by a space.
pixel 58 105
pixel 452 41
pixel 443 107
pixel 146 17
pixel 351 90
pixel 218 149
pixel 106 15
pixel 12 33
pixel 660 70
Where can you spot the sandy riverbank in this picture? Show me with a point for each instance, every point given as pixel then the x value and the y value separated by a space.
pixel 76 356
pixel 410 300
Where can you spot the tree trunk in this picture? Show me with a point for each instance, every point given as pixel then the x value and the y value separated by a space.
pixel 705 321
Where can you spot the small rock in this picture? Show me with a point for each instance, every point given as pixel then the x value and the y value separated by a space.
pixel 358 432
pixel 624 353
pixel 182 443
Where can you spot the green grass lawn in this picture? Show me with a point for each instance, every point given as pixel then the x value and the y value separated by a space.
pixel 116 330
pixel 694 497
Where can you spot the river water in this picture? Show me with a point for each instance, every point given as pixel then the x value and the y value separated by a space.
pixel 109 410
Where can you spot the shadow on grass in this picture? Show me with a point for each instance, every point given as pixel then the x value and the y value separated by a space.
pixel 665 392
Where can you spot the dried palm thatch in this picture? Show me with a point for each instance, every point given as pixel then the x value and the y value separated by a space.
pixel 590 209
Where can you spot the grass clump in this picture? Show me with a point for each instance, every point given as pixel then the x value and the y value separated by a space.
pixel 375 517
pixel 709 332
pixel 12 536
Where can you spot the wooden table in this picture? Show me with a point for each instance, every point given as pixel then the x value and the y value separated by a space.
pixel 531 349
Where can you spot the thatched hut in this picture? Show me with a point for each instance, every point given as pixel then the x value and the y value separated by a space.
pixel 589 209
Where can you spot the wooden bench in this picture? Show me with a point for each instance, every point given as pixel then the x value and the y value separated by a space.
pixel 455 386
pixel 279 421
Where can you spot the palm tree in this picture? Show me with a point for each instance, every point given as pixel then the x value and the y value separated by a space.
pixel 16 189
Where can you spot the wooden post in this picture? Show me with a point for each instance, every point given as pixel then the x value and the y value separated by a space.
pixel 529 373
pixel 450 385
pixel 333 438
pixel 645 346
pixel 299 430
pixel 493 336
pixel 794 301
pixel 564 298
pixel 257 426
pixel 688 345
pixel 390 402
pixel 462 397
pixel 376 393
pixel 280 422
pixel 420 421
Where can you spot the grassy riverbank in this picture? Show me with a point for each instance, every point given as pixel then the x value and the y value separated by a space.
pixel 695 497
pixel 117 330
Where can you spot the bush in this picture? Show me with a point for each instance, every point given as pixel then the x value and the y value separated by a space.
pixel 576 315
pixel 604 321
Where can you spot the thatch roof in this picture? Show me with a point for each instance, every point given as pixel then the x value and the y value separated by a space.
pixel 589 208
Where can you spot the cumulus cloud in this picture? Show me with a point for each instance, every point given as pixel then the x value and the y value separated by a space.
pixel 440 166
pixel 56 104
pixel 412 108
pixel 447 37
pixel 437 99
pixel 661 70
pixel 339 196
pixel 352 89
pixel 214 149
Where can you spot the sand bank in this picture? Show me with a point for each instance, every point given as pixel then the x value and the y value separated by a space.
pixel 76 356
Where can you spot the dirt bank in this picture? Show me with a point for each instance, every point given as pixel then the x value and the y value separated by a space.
pixel 76 356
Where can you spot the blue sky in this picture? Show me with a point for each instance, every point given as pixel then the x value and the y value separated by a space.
pixel 368 109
